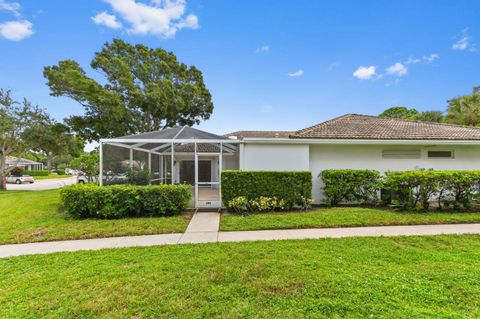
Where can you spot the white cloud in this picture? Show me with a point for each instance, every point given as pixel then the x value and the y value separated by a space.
pixel 296 73
pixel 106 19
pixel 432 57
pixel 161 17
pixel 461 44
pixel 425 59
pixel 267 108
pixel 366 73
pixel 13 7
pixel 464 42
pixel 397 69
pixel 263 49
pixel 16 30
pixel 412 61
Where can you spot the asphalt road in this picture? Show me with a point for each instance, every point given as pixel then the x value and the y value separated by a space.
pixel 43 184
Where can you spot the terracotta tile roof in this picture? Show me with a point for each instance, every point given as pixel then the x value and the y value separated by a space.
pixel 356 126
pixel 261 134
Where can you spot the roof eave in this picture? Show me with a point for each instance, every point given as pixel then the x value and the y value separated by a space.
pixel 176 141
pixel 360 141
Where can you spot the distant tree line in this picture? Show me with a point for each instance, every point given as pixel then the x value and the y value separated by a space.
pixel 462 110
pixel 28 131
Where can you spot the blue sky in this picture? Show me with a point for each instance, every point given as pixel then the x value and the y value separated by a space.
pixel 270 65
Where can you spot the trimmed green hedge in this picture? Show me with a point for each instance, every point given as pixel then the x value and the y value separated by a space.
pixel 117 201
pixel 61 171
pixel 37 173
pixel 351 185
pixel 417 189
pixel 290 186
pixel 408 189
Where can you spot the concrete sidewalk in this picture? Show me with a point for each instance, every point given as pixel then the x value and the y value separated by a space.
pixel 198 235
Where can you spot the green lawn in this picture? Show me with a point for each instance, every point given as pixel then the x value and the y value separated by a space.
pixel 51 176
pixel 342 217
pixel 29 216
pixel 396 277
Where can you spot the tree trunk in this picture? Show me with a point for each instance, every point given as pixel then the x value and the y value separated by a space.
pixel 49 161
pixel 3 183
pixel 3 172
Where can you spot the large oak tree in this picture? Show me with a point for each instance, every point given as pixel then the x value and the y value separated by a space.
pixel 142 89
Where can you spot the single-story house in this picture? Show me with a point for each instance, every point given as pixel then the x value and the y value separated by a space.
pixel 27 164
pixel 185 154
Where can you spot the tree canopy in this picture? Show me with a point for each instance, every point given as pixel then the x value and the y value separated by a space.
pixel 143 89
pixel 55 141
pixel 88 164
pixel 19 122
pixel 404 113
pixel 462 110
pixel 400 112
pixel 465 109
pixel 430 116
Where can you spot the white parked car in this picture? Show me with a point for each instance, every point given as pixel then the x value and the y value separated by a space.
pixel 70 171
pixel 82 179
pixel 20 179
pixel 121 178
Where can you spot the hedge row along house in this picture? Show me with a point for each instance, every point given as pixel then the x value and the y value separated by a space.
pixel 352 141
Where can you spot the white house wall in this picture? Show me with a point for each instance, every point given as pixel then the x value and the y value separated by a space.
pixel 370 157
pixel 275 157
pixel 318 157
pixel 230 162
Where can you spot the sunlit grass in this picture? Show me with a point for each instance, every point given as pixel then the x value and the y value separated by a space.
pixel 402 277
pixel 29 216
pixel 342 217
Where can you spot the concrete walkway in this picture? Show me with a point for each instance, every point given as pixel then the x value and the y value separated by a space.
pixel 201 231
pixel 203 228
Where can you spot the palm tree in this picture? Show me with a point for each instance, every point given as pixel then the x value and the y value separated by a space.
pixel 464 110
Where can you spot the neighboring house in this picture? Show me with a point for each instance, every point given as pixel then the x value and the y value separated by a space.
pixel 27 164
pixel 351 141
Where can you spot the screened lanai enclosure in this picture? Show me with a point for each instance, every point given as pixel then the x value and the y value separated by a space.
pixel 174 155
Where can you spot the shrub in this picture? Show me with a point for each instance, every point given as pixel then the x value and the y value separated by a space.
pixel 267 204
pixel 17 170
pixel 139 176
pixel 417 189
pixel 117 201
pixel 306 202
pixel 61 171
pixel 239 204
pixel 350 185
pixel 289 186
pixel 37 173
pixel 413 188
pixel 459 188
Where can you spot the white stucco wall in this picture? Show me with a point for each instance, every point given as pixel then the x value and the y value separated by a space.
pixel 317 157
pixel 370 157
pixel 231 162
pixel 275 157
